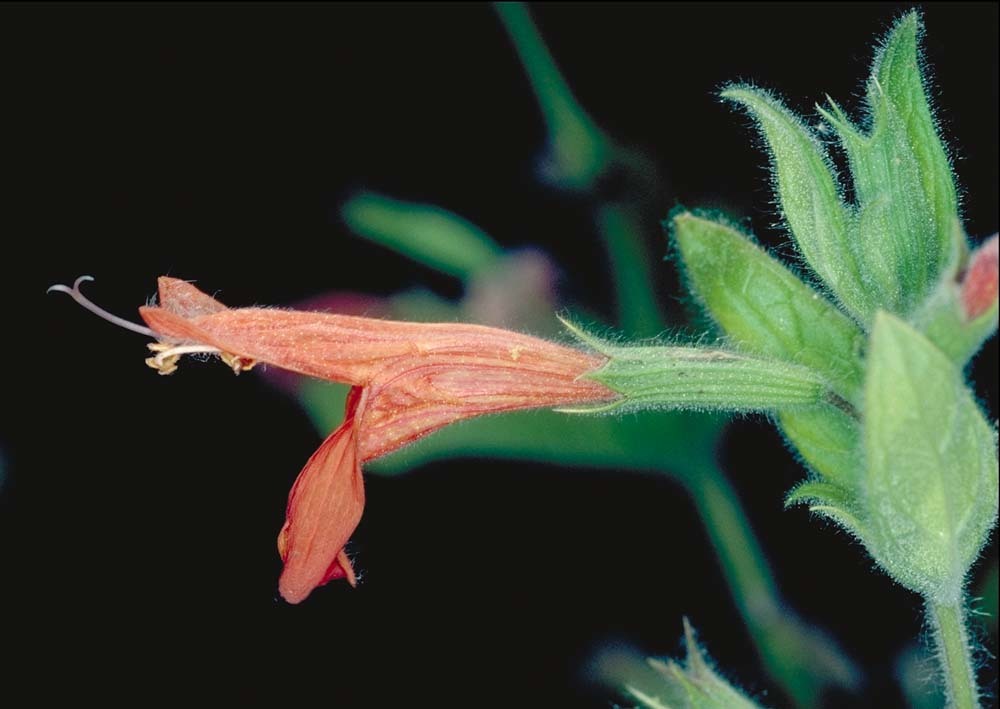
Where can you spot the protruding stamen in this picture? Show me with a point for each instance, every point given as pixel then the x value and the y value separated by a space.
pixel 80 298
pixel 164 366
pixel 167 354
pixel 237 363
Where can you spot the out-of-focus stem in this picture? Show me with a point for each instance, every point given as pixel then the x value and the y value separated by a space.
pixel 799 658
pixel 579 148
pixel 954 654
pixel 740 554
pixel 635 295
pixel 580 152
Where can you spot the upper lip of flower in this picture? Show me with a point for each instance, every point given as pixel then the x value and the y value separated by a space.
pixel 347 348
pixel 409 379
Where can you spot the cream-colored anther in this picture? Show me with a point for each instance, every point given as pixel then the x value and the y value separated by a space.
pixel 237 363
pixel 167 355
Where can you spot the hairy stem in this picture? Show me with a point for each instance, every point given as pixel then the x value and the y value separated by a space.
pixel 954 654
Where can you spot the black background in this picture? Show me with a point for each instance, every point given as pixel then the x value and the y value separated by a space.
pixel 215 142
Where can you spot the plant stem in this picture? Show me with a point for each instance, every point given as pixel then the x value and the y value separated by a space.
pixel 802 659
pixel 621 231
pixel 743 561
pixel 753 588
pixel 954 654
pixel 580 150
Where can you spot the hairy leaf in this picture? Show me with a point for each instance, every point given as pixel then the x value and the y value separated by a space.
pixel 930 485
pixel 907 228
pixel 809 196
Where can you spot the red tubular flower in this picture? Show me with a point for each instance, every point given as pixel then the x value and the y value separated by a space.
pixel 409 379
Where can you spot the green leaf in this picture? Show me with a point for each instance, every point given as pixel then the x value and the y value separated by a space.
pixel 829 500
pixel 695 685
pixel 817 492
pixel 429 235
pixel 828 441
pixel 763 307
pixel 907 228
pixel 930 485
pixel 810 199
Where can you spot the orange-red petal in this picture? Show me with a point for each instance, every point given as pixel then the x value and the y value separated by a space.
pixel 346 348
pixel 324 508
pixel 412 399
pixel 184 299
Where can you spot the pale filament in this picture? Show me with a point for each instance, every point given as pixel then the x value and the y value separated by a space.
pixel 100 312
pixel 167 350
pixel 183 350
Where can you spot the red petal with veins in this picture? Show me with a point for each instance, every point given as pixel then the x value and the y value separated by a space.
pixel 324 508
pixel 413 399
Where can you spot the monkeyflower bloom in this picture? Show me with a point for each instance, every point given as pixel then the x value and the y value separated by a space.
pixel 407 379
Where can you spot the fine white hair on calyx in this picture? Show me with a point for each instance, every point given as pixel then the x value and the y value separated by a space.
pixel 75 294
